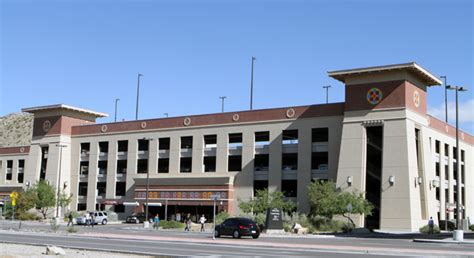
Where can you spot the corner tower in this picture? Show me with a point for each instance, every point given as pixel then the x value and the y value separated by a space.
pixel 383 142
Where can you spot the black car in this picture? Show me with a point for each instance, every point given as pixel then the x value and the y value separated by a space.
pixel 237 227
pixel 136 218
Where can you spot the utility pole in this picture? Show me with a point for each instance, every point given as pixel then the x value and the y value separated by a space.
pixel 61 146
pixel 445 97
pixel 165 114
pixel 223 98
pixel 116 103
pixel 327 92
pixel 251 84
pixel 138 95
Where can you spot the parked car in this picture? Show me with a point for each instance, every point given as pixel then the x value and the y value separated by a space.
pixel 100 218
pixel 237 227
pixel 136 218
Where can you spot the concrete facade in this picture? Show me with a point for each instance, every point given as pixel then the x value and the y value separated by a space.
pixel 384 117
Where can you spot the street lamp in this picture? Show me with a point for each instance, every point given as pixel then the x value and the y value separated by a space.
pixel 445 97
pixel 458 163
pixel 215 198
pixel 116 102
pixel 138 95
pixel 147 180
pixel 61 146
pixel 251 83
pixel 327 92
pixel 223 98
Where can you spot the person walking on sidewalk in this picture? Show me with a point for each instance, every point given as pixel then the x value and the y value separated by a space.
pixel 156 222
pixel 92 219
pixel 430 226
pixel 202 220
pixel 69 221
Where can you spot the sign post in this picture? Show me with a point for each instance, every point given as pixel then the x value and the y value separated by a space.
pixel 13 197
pixel 274 221
pixel 214 197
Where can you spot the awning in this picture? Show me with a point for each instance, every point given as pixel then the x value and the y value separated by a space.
pixel 156 204
pixel 1 203
pixel 110 202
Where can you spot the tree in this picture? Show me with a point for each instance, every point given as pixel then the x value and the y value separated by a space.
pixel 46 197
pixel 27 200
pixel 264 200
pixel 64 199
pixel 325 200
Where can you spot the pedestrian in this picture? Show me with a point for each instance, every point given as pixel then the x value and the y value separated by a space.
pixel 430 226
pixel 86 219
pixel 202 220
pixel 92 219
pixel 187 223
pixel 156 221
pixel 69 222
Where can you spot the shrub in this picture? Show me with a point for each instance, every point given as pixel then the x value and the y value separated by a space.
pixel 28 216
pixel 171 224
pixel 451 225
pixel 54 225
pixel 426 229
pixel 471 227
pixel 221 216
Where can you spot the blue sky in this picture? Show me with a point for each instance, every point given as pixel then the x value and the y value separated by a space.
pixel 88 53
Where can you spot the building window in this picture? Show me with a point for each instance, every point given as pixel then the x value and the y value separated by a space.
pixel 163 165
pixel 261 162
pixel 210 164
pixel 289 188
pixel 102 167
pixel 185 165
pixel 437 167
pixel 259 185
pixel 289 161
pixel 455 153
pixel 210 141
pixel 164 143
pixel 120 189
pixel 143 145
pixel 142 166
pixel 186 142
pixel 103 147
pixel 44 162
pixel 82 191
pixel 84 168
pixel 262 138
pixel 81 207
pixel 101 188
pixel 122 146
pixel 119 208
pixel 235 163
pixel 21 170
pixel 437 146
pixel 85 148
pixel 9 170
pixel 235 140
pixel 446 150
pixel 122 166
pixel 319 160
pixel 290 137
pixel 320 134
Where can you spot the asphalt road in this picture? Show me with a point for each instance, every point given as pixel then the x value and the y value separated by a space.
pixel 133 238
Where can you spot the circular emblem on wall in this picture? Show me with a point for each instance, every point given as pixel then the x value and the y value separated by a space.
pixel 187 121
pixel 143 125
pixel 416 98
pixel 290 113
pixel 103 128
pixel 22 149
pixel 446 128
pixel 374 96
pixel 46 126
pixel 235 117
pixel 462 135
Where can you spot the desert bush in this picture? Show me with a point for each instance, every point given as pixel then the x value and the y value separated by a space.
pixel 426 229
pixel 54 225
pixel 171 224
pixel 28 215
pixel 221 216
pixel 72 229
pixel 471 227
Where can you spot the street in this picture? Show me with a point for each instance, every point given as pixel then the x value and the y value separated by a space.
pixel 131 238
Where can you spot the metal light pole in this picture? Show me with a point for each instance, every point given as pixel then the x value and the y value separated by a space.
pixel 327 92
pixel 116 103
pixel 138 95
pixel 59 177
pixel 223 98
pixel 458 160
pixel 251 84
pixel 147 181
pixel 215 197
pixel 445 97
pixel 166 114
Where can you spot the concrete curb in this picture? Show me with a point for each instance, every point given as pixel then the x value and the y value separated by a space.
pixel 443 241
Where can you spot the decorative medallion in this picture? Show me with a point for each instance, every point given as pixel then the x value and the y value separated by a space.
pixel 22 149
pixel 46 126
pixel 446 128
pixel 290 113
pixel 416 98
pixel 104 128
pixel 374 96
pixel 429 120
pixel 187 121
pixel 462 135
pixel 235 117
pixel 143 125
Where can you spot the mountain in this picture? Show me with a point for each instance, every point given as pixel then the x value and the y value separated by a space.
pixel 16 129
